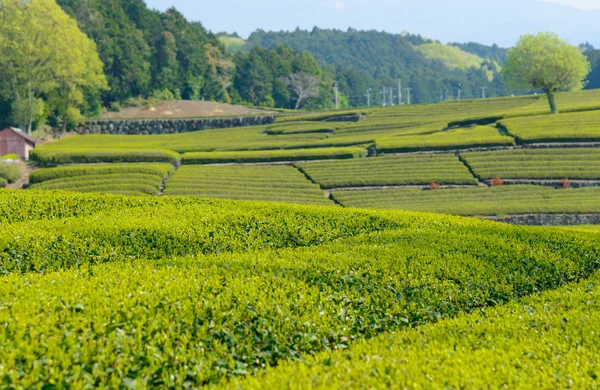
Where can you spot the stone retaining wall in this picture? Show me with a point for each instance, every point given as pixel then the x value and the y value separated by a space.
pixel 549 183
pixel 169 126
pixel 550 219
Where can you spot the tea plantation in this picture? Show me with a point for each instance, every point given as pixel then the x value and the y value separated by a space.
pixel 394 153
pixel 154 261
pixel 108 291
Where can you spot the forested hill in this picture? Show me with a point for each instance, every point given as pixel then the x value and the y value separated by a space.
pixel 148 52
pixel 372 59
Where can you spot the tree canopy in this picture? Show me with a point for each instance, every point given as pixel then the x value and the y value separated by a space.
pixel 362 60
pixel 43 52
pixel 547 63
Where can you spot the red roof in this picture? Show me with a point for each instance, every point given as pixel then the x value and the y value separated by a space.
pixel 20 133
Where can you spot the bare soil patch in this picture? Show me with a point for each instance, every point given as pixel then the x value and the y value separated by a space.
pixel 183 109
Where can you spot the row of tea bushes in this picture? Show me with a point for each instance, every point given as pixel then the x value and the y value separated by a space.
pixel 547 341
pixel 42 175
pixel 265 183
pixel 483 201
pixel 55 154
pixel 257 156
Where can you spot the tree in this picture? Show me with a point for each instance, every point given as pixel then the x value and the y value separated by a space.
pixel 41 51
pixel 546 62
pixel 304 86
pixel 167 63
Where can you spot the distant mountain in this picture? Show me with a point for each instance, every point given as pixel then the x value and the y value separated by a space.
pixel 483 21
pixel 363 60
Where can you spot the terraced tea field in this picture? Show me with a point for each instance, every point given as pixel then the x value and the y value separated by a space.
pixel 557 164
pixel 573 127
pixel 177 284
pixel 510 141
pixel 396 170
pixel 269 183
pixel 125 179
pixel 476 137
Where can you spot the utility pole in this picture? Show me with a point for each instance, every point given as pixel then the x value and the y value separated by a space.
pixel 400 92
pixel 483 89
pixel 383 97
pixel 391 97
pixel 337 96
pixel 459 86
pixel 369 97
pixel 408 95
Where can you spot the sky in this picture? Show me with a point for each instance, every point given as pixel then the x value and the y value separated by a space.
pixel 482 21
pixel 582 4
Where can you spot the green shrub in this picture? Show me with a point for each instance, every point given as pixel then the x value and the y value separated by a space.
pixel 10 173
pixel 10 157
pixel 3 182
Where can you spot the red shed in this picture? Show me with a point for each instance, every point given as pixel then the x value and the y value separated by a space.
pixel 15 141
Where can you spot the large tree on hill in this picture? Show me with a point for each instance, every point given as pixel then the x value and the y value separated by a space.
pixel 546 62
pixel 42 51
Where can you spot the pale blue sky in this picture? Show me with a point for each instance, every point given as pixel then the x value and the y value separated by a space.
pixel 484 21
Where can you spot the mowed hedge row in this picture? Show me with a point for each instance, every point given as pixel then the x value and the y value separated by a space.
pixel 276 283
pixel 273 155
pixel 53 154
pixel 557 164
pixel 514 199
pixel 547 341
pixel 265 183
pixel 417 169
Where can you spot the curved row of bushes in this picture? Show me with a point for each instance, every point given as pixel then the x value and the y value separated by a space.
pixel 109 293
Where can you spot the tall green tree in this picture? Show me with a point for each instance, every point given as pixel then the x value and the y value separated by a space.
pixel 168 67
pixel 41 51
pixel 546 62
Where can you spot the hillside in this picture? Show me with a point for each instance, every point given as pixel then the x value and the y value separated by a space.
pixel 369 59
pixel 499 158
pixel 181 292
